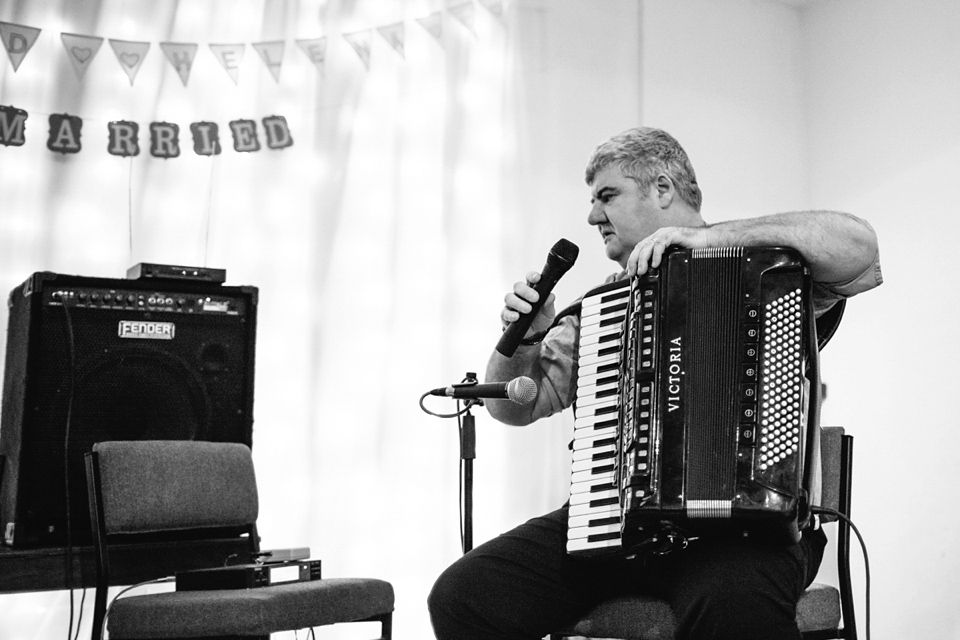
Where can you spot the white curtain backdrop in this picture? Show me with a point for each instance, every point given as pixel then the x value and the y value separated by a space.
pixel 416 191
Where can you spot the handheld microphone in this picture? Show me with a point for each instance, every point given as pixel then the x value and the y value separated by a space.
pixel 561 257
pixel 521 390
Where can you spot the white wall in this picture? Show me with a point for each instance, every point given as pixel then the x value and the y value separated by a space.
pixel 883 103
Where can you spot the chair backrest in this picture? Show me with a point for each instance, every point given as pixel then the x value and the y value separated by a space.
pixel 184 504
pixel 831 460
pixel 170 485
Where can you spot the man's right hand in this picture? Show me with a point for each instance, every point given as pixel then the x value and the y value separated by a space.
pixel 520 301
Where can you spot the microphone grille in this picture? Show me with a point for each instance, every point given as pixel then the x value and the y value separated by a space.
pixel 565 250
pixel 522 390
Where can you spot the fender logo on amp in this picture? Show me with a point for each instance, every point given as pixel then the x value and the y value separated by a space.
pixel 146 330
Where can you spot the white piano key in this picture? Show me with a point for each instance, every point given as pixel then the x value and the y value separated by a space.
pixel 595 511
pixel 593 447
pixel 585 497
pixel 608 338
pixel 592 477
pixel 588 438
pixel 599 346
pixel 604 329
pixel 593 406
pixel 592 373
pixel 581 544
pixel 583 532
pixel 578 521
pixel 589 465
pixel 605 390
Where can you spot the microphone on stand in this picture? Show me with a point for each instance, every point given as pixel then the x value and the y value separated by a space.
pixel 561 257
pixel 521 390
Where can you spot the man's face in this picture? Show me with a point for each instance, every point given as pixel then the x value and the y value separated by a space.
pixel 623 215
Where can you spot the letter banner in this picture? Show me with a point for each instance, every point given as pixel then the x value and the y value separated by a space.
pixel 12 123
pixel 244 136
pixel 433 23
pixel 465 14
pixel 130 55
pixel 394 34
pixel 181 56
pixel 360 41
pixel 229 56
pixel 123 139
pixel 81 50
pixel 164 140
pixel 272 55
pixel 17 40
pixel 316 50
pixel 64 133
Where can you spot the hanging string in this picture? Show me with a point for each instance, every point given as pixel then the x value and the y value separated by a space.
pixel 130 209
pixel 209 212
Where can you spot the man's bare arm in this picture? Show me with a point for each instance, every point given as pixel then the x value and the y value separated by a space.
pixel 839 247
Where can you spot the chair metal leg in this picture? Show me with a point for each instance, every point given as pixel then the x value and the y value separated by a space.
pixel 386 626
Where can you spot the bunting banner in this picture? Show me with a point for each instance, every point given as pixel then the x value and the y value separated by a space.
pixel 360 42
pixel 464 13
pixel 229 56
pixel 315 49
pixel 272 55
pixel 181 56
pixel 394 34
pixel 81 50
pixel 17 40
pixel 130 55
pixel 65 135
pixel 433 23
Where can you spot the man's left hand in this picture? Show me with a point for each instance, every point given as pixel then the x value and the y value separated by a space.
pixel 649 251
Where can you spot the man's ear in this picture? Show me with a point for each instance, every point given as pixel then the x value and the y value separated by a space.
pixel 666 191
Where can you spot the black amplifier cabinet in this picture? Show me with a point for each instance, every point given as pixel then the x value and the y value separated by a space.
pixel 93 359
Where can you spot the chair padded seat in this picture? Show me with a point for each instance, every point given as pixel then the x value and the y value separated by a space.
pixel 643 618
pixel 819 608
pixel 257 611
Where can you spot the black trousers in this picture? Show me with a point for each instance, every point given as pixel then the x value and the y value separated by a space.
pixel 522 585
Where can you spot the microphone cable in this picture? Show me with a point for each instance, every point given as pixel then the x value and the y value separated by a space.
pixel 866 559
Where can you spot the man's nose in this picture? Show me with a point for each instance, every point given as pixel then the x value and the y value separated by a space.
pixel 596 215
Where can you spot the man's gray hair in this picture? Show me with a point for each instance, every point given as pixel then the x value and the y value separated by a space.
pixel 642 154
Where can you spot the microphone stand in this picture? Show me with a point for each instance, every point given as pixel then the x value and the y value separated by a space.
pixel 468 452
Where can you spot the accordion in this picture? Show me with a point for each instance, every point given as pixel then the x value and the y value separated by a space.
pixel 697 403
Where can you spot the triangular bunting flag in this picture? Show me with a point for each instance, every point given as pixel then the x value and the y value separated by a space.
pixel 181 56
pixel 433 23
pixel 493 6
pixel 130 55
pixel 394 34
pixel 229 56
pixel 17 40
pixel 360 41
pixel 272 55
pixel 80 50
pixel 316 50
pixel 464 12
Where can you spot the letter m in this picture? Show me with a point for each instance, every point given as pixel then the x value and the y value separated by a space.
pixel 12 124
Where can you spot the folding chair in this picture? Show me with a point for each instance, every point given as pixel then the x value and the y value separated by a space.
pixel 151 492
